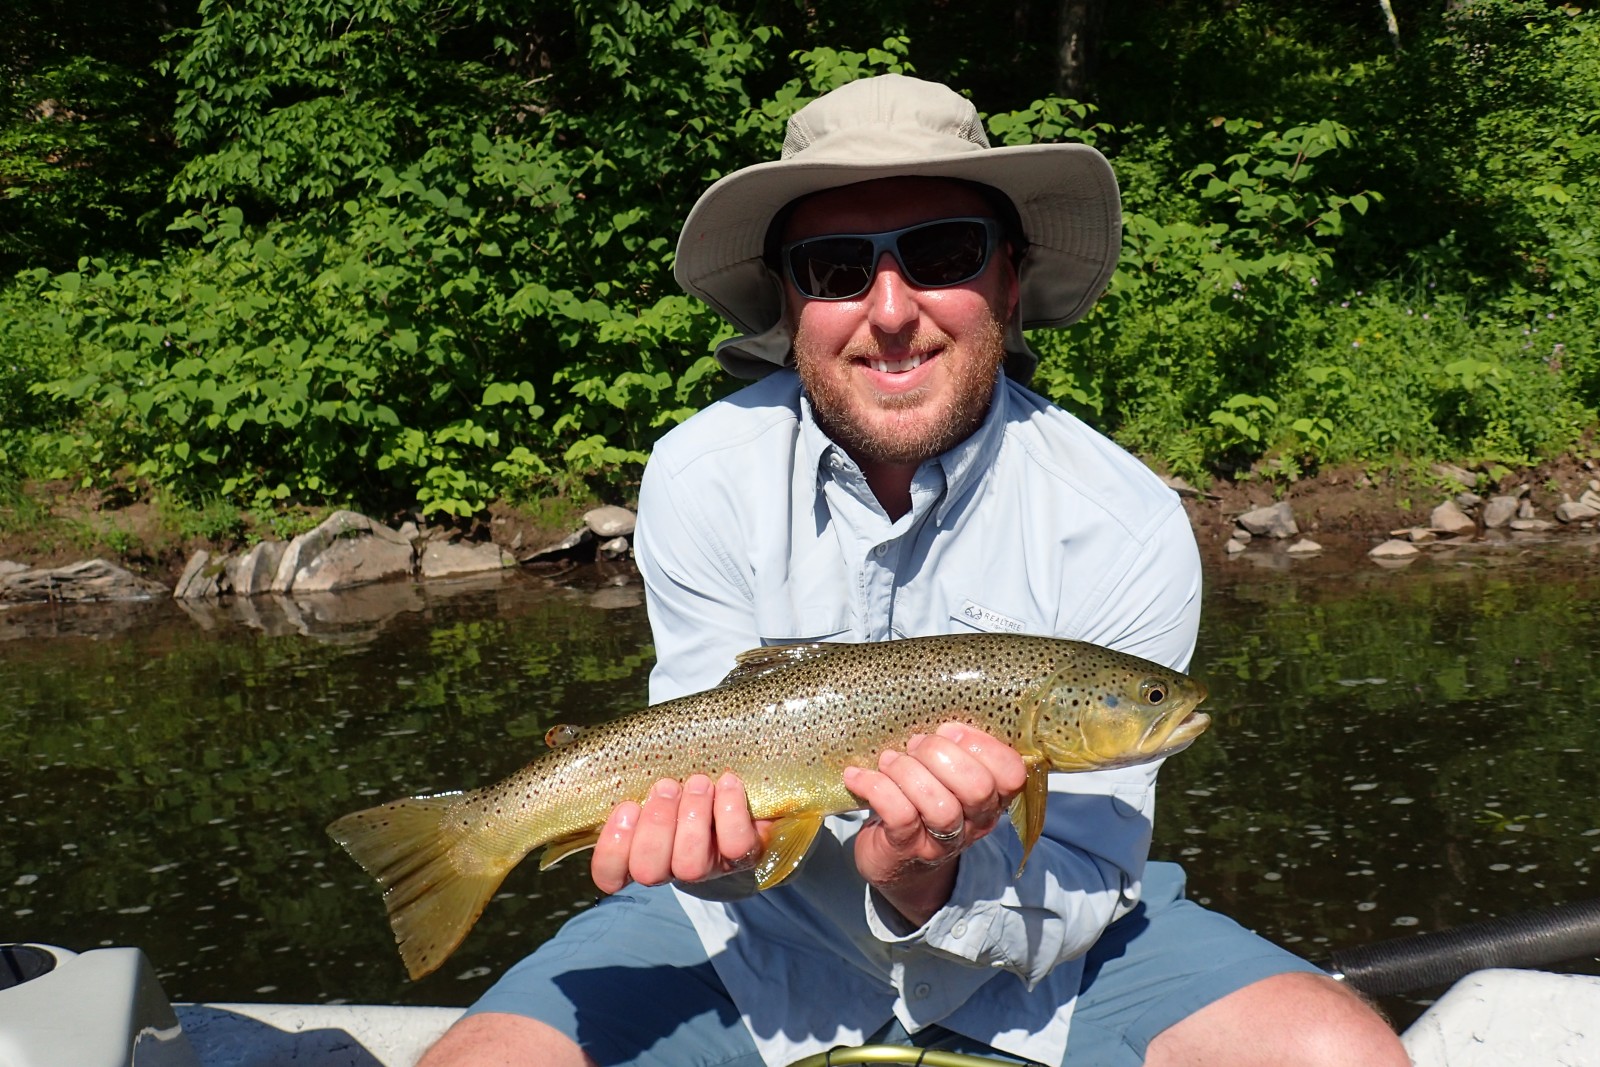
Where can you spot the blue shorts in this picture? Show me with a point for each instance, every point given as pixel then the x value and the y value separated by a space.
pixel 654 1000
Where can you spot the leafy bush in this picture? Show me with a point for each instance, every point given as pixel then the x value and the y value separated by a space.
pixel 477 323
pixel 420 254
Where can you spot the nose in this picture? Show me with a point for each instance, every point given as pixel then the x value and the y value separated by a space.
pixel 891 302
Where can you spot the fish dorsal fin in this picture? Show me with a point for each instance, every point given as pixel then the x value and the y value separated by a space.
pixel 758 662
pixel 1027 810
pixel 562 733
pixel 787 845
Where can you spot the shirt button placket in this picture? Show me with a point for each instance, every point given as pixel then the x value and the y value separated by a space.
pixel 879 592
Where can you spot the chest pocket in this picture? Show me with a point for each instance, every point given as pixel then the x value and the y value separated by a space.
pixel 805 597
pixel 791 620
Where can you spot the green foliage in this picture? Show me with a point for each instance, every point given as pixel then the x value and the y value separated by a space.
pixel 420 254
pixel 1377 280
pixel 489 318
pixel 83 158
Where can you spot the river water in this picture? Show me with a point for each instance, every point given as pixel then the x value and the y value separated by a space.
pixel 1394 751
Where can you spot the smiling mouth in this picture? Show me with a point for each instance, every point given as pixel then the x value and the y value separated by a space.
pixel 897 366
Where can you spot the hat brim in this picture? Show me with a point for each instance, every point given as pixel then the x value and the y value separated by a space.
pixel 1065 195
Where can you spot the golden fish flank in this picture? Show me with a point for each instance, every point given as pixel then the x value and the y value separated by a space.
pixel 787 720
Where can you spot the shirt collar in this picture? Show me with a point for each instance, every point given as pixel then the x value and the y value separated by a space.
pixel 953 472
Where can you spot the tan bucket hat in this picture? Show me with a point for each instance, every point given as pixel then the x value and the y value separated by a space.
pixel 894 126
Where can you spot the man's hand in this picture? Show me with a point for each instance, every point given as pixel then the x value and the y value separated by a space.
pixel 689 832
pixel 929 804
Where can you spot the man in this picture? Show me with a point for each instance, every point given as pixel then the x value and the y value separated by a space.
pixel 884 479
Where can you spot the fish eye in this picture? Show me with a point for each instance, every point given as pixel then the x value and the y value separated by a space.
pixel 1153 692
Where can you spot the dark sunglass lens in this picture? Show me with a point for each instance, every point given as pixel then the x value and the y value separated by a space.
pixel 945 253
pixel 832 268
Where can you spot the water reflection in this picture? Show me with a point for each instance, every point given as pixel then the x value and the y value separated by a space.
pixel 1393 751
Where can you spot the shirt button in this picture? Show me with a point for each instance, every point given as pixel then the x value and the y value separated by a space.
pixel 920 990
pixel 959 930
pixel 880 550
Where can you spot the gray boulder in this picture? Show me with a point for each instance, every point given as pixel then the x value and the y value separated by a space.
pixel 1499 511
pixel 1274 521
pixel 1451 473
pixel 92 579
pixel 446 559
pixel 201 577
pixel 1576 511
pixel 1448 518
pixel 1392 550
pixel 610 521
pixel 254 571
pixel 346 550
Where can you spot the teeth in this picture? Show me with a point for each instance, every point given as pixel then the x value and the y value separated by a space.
pixel 897 366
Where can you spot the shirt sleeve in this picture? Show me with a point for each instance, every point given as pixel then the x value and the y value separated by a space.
pixel 1085 871
pixel 700 605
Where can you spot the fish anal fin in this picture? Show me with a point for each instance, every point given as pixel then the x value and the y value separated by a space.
pixel 1027 810
pixel 787 844
pixel 434 885
pixel 560 849
pixel 763 661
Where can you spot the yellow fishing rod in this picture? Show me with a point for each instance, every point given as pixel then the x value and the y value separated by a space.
pixel 917 1057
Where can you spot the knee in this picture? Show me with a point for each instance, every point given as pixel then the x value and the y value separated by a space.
pixel 494 1039
pixel 1305 1019
pixel 1338 1027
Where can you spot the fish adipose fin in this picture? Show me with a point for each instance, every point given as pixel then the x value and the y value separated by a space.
pixel 762 661
pixel 562 733
pixel 434 888
pixel 1027 810
pixel 561 848
pixel 787 845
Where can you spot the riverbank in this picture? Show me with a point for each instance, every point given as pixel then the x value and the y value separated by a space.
pixel 45 524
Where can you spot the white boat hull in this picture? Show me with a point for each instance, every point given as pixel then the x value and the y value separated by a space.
pixel 105 1008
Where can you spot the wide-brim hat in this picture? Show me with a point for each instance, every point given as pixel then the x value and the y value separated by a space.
pixel 893 126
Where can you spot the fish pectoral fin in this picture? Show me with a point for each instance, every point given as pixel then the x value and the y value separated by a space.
pixel 762 661
pixel 787 845
pixel 561 848
pixel 1027 810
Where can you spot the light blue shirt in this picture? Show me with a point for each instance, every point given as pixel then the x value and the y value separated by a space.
pixel 756 529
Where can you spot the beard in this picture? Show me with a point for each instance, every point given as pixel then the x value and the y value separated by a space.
pixel 904 428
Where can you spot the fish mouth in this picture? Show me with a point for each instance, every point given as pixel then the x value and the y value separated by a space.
pixel 1178 735
pixel 1166 736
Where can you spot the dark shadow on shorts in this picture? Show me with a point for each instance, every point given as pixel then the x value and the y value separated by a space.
pixel 1113 944
pixel 617 1024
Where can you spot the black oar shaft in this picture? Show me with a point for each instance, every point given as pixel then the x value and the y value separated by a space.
pixel 1422 961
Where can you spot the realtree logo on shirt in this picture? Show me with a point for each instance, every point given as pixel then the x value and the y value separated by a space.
pixel 987 619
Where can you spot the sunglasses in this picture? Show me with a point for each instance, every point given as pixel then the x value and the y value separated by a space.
pixel 932 255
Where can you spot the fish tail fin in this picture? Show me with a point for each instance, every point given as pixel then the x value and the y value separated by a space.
pixel 434 884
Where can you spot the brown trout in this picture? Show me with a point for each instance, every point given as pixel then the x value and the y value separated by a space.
pixel 787 720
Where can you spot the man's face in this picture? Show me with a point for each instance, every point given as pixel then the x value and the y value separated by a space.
pixel 899 374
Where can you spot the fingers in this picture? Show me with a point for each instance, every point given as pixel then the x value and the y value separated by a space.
pixel 690 848
pixel 608 864
pixel 1004 763
pixel 739 837
pixel 636 842
pixel 688 832
pixel 945 791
